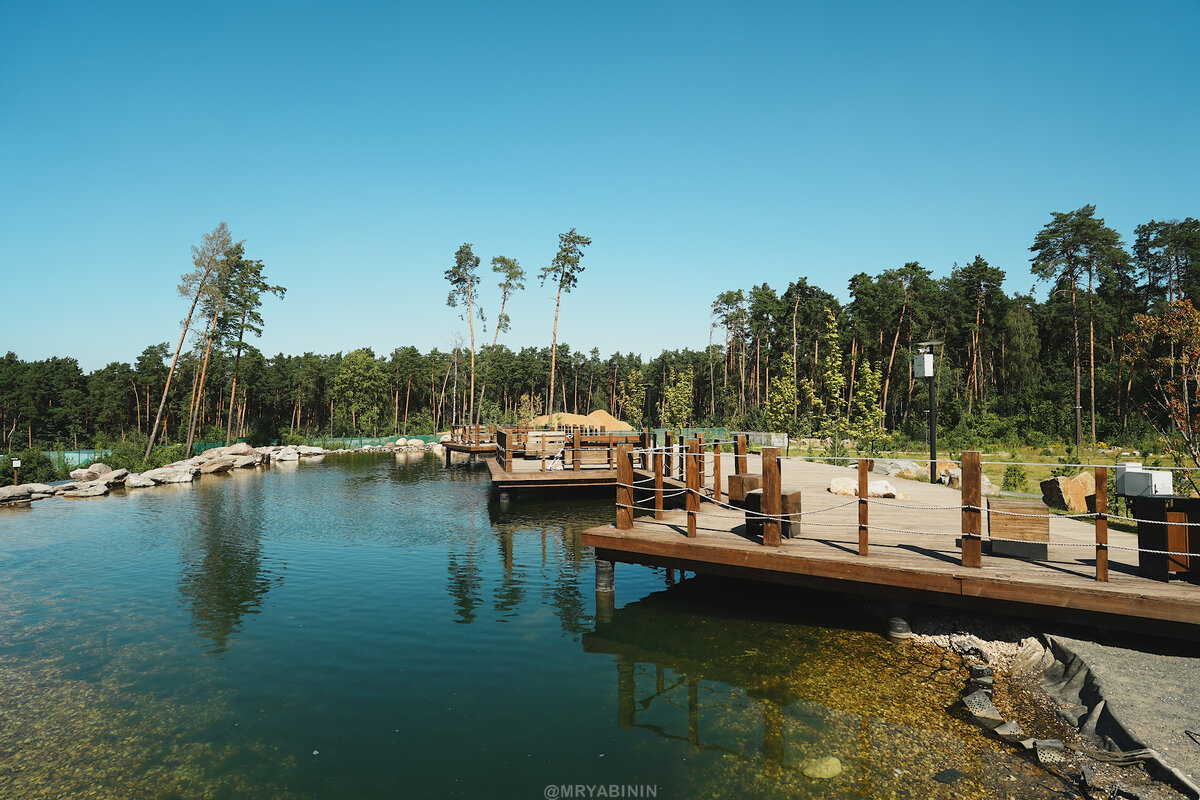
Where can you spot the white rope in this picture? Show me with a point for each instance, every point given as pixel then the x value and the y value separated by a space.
pixel 1152 521
pixel 877 502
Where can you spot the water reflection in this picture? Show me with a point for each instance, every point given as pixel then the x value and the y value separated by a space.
pixel 222 576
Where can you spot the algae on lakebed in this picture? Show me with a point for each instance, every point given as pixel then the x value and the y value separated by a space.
pixel 775 679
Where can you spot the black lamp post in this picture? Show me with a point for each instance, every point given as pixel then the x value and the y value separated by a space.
pixel 923 367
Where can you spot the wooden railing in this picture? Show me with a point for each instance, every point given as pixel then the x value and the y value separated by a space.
pixel 776 508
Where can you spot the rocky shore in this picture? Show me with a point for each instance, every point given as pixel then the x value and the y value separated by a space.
pixel 98 480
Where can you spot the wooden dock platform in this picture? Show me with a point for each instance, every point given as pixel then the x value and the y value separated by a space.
pixel 529 475
pixel 913 553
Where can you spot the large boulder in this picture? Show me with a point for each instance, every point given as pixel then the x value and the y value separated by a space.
pixel 114 478
pixel 97 489
pixel 138 481
pixel 849 487
pixel 288 454
pixel 1076 494
pixel 308 450
pixel 900 468
pixel 884 489
pixel 239 449
pixel 169 475
pixel 222 464
pixel 14 494
pixel 241 462
pixel 845 486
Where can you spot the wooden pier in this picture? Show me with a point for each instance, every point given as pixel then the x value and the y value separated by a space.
pixel 473 440
pixel 927 547
pixel 578 458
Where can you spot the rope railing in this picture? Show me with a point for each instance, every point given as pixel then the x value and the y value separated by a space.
pixel 696 463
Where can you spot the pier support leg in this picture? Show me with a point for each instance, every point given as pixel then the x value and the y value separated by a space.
pixel 605 577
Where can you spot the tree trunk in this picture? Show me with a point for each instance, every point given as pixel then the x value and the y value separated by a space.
pixel 554 345
pixel 171 372
pixel 406 393
pixel 232 392
pixel 199 393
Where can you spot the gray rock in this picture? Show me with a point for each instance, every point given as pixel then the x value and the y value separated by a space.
pixel 241 462
pixel 97 489
pixel 217 465
pixel 84 475
pixel 138 481
pixel 69 487
pixel 41 495
pixel 114 477
pixel 169 475
pixel 899 468
pixel 12 494
pixel 288 454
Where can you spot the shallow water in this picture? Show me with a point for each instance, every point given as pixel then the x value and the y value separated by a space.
pixel 378 626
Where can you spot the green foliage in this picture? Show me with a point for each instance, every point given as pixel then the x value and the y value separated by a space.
pixel 359 390
pixel 677 399
pixel 631 398
pixel 781 403
pixel 36 467
pixel 1015 479
pixel 867 420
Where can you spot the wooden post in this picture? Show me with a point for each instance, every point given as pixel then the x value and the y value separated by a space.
pixel 700 449
pixel 658 484
pixel 669 455
pixel 972 497
pixel 575 450
pixel 717 472
pixel 645 446
pixel 610 451
pixel 692 476
pixel 1102 523
pixel 624 488
pixel 739 454
pixel 772 498
pixel 864 484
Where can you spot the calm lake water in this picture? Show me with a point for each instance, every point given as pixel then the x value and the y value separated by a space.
pixel 378 626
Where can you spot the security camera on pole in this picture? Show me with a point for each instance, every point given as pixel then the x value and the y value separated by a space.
pixel 923 367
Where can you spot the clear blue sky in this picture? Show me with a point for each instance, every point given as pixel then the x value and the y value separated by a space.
pixel 702 146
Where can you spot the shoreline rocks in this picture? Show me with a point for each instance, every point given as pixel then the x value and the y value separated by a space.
pixel 99 479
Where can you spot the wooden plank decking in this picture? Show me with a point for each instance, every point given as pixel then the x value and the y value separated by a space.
pixel 913 554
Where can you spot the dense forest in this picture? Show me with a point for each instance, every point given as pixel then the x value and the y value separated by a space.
pixel 1012 369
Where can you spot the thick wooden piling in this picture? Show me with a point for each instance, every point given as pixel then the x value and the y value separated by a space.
pixel 1102 523
pixel 972 499
pixel 772 498
pixel 864 494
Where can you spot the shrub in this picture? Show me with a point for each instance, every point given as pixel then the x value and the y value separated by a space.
pixel 36 467
pixel 1015 479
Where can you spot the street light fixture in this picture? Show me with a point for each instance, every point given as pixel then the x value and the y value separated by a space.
pixel 923 367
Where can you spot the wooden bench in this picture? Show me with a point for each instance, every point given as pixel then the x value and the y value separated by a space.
pixel 1032 533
